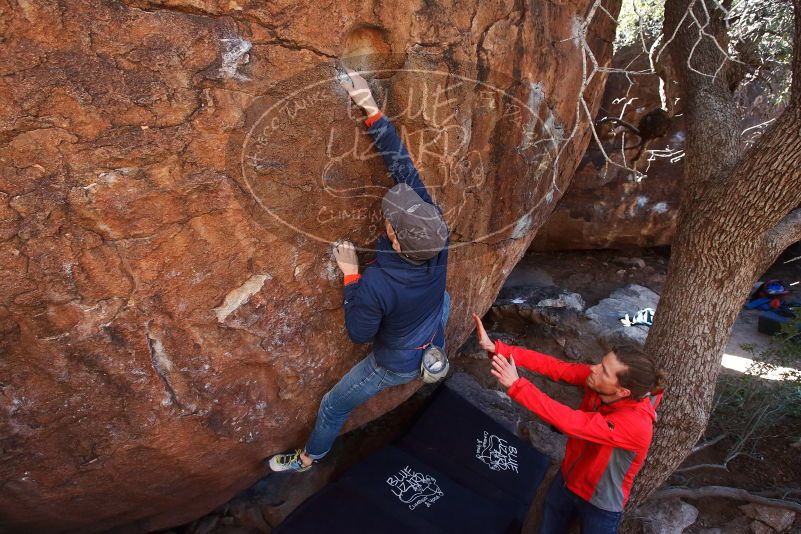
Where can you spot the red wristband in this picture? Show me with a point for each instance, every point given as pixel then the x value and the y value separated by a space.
pixel 351 278
pixel 372 119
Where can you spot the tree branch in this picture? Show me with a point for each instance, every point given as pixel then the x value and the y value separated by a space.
pixel 724 465
pixel 780 492
pixel 784 234
pixel 708 443
pixel 725 492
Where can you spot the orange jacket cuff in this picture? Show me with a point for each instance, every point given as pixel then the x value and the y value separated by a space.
pixel 372 119
pixel 349 279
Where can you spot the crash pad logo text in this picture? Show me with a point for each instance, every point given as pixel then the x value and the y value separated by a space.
pixel 496 453
pixel 413 488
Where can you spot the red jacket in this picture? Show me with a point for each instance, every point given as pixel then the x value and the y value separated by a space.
pixel 607 443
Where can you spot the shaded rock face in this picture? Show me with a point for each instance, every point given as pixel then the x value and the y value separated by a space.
pixel 170 313
pixel 605 207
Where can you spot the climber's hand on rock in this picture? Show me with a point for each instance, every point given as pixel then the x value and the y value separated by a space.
pixel 483 339
pixel 345 255
pixel 505 371
pixel 359 91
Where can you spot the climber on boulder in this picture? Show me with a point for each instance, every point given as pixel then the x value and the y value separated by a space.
pixel 608 436
pixel 398 302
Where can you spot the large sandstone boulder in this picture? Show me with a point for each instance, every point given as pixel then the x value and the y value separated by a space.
pixel 171 175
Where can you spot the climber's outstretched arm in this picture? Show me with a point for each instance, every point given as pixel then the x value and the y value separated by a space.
pixel 387 141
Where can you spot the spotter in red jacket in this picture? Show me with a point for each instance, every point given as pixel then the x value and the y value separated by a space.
pixel 607 443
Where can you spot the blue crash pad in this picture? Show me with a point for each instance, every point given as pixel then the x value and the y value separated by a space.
pixel 474 450
pixel 455 471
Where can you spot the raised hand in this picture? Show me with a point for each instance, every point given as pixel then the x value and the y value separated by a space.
pixel 504 371
pixel 483 339
pixel 345 256
pixel 357 88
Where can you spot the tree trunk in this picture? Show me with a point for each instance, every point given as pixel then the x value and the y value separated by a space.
pixel 736 217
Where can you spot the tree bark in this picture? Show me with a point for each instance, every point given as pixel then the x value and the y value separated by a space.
pixel 734 220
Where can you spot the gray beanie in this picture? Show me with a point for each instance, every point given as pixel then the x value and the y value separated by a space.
pixel 419 226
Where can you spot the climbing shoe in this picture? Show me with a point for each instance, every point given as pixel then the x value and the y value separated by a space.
pixel 289 461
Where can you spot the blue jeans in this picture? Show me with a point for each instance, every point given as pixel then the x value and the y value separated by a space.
pixel 364 380
pixel 562 506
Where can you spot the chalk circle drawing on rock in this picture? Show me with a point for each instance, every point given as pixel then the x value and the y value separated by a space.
pixel 311 171
pixel 413 488
pixel 496 453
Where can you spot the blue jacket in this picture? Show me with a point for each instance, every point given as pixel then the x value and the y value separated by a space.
pixel 395 304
